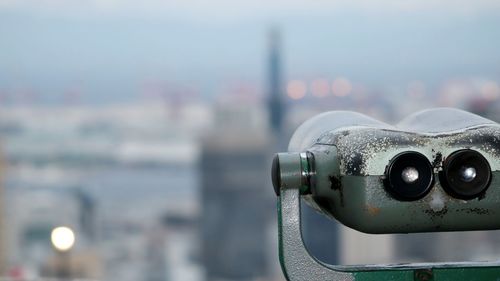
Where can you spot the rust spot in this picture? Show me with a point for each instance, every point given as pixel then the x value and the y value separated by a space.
pixel 373 211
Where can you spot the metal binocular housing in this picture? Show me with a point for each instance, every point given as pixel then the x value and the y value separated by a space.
pixel 436 170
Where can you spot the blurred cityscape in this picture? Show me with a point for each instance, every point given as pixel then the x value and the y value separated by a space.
pixel 173 183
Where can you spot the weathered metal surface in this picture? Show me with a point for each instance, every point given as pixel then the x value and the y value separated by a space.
pixel 298 265
pixel 367 151
pixel 292 170
pixel 362 202
pixel 342 176
pixel 350 162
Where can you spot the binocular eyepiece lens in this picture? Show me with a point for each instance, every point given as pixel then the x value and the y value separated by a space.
pixel 466 174
pixel 409 176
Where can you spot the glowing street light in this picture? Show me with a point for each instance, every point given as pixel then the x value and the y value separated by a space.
pixel 63 238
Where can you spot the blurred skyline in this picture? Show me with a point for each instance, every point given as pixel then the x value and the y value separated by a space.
pixel 149 126
pixel 109 51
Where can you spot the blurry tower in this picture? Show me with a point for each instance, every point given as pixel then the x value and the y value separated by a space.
pixel 276 103
pixel 321 234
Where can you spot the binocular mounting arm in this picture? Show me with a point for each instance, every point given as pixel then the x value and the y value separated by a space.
pixel 296 262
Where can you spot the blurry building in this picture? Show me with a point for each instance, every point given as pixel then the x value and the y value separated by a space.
pixel 236 207
pixel 182 248
pixel 83 264
pixel 361 248
pixel 448 246
pixel 3 260
pixel 87 214
pixel 236 196
pixel 321 236
pixel 156 263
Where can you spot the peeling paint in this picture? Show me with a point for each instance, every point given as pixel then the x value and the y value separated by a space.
pixel 366 151
pixel 437 202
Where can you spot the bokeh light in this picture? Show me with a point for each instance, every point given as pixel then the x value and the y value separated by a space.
pixel 63 238
pixel 296 89
pixel 341 87
pixel 320 87
pixel 490 90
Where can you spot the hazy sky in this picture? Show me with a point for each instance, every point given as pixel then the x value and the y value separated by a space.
pixel 108 48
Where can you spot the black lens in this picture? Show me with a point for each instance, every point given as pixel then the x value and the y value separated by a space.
pixel 466 174
pixel 409 176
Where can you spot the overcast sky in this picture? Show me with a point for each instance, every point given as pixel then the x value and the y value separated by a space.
pixel 113 46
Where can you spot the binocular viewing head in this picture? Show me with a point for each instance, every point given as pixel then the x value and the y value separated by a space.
pixel 436 170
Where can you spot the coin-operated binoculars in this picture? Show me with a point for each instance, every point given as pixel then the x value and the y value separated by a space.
pixel 437 170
